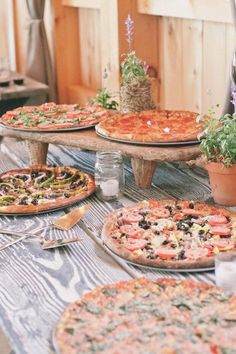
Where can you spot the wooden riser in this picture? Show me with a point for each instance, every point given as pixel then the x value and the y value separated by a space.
pixel 143 158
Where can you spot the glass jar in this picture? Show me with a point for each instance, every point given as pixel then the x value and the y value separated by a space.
pixel 225 270
pixel 109 175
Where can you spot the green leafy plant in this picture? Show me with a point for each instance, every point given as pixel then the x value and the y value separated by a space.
pixel 219 138
pixel 104 99
pixel 133 68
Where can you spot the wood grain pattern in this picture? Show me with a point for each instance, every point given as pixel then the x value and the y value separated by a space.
pixel 171 63
pixel 91 4
pixel 66 42
pixel 80 94
pixel 192 65
pixel 90 49
pixel 214 66
pixel 209 10
pixel 36 285
pixel 87 139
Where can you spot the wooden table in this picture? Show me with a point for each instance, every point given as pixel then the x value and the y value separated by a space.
pixel 144 159
pixel 36 285
pixel 31 93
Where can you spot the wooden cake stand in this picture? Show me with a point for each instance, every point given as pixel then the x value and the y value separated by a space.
pixel 144 159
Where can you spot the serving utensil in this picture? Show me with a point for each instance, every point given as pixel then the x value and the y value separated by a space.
pixel 65 223
pixel 47 244
pixel 13 242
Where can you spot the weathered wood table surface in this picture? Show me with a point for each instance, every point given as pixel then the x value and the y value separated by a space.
pixel 144 159
pixel 36 285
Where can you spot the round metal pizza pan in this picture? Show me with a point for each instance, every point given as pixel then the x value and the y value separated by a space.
pixel 172 270
pixel 48 130
pixel 42 211
pixel 174 143
pixel 35 213
pixel 54 343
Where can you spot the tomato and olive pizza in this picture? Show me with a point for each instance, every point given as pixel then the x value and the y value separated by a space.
pixel 166 316
pixel 170 234
pixel 52 116
pixel 41 188
pixel 152 127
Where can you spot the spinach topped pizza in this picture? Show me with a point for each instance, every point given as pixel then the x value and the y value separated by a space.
pixel 52 116
pixel 165 316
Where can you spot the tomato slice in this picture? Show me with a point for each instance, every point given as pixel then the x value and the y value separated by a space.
pixel 153 203
pixel 177 216
pixel 214 349
pixel 217 220
pixel 222 243
pixel 132 218
pixel 193 212
pixel 160 213
pixel 12 114
pixel 88 122
pixel 47 106
pixel 166 253
pixel 134 245
pixel 195 253
pixel 132 231
pixel 73 114
pixel 220 230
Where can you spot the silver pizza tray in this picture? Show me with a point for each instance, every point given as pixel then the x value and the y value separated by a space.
pixel 37 212
pixel 48 130
pixel 152 267
pixel 174 143
pixel 54 343
pixel 45 211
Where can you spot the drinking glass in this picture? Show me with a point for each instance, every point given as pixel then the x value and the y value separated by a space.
pixel 225 270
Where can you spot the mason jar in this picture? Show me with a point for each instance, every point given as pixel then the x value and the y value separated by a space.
pixel 109 175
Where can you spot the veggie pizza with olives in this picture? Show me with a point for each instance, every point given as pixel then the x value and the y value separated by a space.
pixel 42 188
pixel 170 234
pixel 52 116
pixel 140 316
pixel 164 126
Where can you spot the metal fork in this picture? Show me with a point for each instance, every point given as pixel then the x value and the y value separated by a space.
pixel 65 222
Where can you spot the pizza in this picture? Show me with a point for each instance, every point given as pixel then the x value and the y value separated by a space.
pixel 152 127
pixel 52 116
pixel 170 234
pixel 41 188
pixel 140 316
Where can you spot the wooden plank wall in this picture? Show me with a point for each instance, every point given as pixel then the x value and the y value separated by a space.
pixel 189 43
pixel 196 41
pixel 194 62
pixel 101 42
pixel 7 47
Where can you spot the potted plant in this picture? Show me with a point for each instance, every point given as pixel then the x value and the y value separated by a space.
pixel 219 149
pixel 135 90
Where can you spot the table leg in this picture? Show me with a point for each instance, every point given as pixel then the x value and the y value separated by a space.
pixel 143 172
pixel 38 152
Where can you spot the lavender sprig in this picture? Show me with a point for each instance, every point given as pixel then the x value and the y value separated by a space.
pixel 129 30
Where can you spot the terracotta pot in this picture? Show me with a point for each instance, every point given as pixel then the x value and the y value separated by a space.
pixel 223 183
